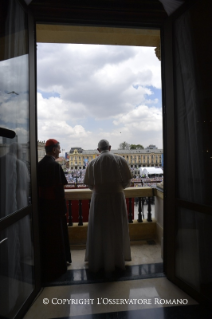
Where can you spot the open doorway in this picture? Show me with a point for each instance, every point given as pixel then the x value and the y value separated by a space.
pixel 109 87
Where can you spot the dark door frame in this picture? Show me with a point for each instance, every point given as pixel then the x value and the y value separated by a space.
pixel 171 200
pixel 168 124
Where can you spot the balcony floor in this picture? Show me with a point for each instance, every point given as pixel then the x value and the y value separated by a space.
pixel 142 252
pixel 143 280
pixel 149 289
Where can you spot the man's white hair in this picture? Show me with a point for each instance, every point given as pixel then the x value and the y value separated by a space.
pixel 103 145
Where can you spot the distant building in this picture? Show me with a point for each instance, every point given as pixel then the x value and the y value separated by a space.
pixel 62 162
pixel 135 158
pixel 151 147
pixel 78 149
pixel 79 158
pixel 41 150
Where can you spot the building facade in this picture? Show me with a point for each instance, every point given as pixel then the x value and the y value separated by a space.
pixel 135 158
pixel 41 150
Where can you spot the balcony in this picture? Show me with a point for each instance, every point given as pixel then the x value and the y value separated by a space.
pixel 146 225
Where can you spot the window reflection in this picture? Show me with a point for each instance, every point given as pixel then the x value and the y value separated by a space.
pixel 15 181
pixel 16 267
pixel 14 153
pixel 16 249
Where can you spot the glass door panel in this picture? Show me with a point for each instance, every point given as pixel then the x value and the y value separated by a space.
pixel 17 243
pixel 15 184
pixel 16 266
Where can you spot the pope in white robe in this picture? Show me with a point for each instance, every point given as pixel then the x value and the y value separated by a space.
pixel 108 242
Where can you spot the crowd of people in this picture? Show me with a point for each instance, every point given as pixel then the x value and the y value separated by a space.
pixel 147 181
pixel 76 177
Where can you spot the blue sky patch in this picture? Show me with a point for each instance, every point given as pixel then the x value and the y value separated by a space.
pixel 157 94
pixel 47 95
pixel 97 125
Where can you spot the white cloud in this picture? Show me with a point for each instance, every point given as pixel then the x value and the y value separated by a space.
pixel 23 135
pixel 59 109
pixel 110 83
pixel 98 77
pixel 142 125
pixel 14 108
pixel 62 131
pixel 14 75
pixel 142 118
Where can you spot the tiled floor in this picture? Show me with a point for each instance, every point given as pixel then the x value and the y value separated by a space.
pixel 87 299
pixel 141 253
pixel 114 299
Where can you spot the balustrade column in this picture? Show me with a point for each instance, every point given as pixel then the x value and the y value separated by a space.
pixel 80 214
pixel 70 223
pixel 143 206
pixel 139 210
pixel 149 218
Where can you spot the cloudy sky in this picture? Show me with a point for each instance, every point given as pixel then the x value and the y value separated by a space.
pixel 90 92
pixel 14 96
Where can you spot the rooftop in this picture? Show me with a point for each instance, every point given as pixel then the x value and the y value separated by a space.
pixel 141 151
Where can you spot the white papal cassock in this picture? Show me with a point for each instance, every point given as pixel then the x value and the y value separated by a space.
pixel 108 242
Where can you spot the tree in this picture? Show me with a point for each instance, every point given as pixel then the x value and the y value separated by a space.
pixel 133 147
pixel 124 146
pixel 136 146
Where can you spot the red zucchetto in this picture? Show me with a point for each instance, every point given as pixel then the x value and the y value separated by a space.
pixel 51 142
